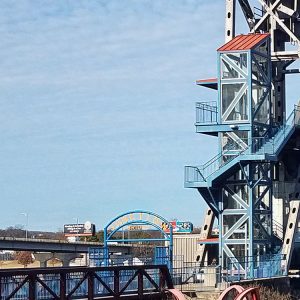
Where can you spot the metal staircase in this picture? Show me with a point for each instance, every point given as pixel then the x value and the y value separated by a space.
pixel 259 144
pixel 277 230
pixel 259 148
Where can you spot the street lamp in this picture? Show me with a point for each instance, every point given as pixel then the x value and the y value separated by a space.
pixel 77 231
pixel 25 214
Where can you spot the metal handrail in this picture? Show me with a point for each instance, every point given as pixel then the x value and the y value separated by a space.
pixel 206 112
pixel 208 105
pixel 277 229
pixel 272 265
pixel 86 282
pixel 214 164
pixel 257 144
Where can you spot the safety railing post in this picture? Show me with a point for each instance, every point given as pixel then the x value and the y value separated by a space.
pixel 140 285
pixel 90 286
pixel 32 287
pixel 62 286
pixel 116 283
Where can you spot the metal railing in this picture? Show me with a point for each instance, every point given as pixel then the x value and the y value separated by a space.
pixel 258 145
pixel 194 277
pixel 206 112
pixel 201 173
pixel 271 144
pixel 85 283
pixel 253 267
pixel 277 229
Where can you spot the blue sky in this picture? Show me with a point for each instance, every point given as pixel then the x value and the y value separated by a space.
pixel 98 107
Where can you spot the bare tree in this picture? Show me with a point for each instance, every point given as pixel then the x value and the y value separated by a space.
pixel 24 258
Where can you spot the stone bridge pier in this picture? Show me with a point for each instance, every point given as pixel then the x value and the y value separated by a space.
pixel 65 258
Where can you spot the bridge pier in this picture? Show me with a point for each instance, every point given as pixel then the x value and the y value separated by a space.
pixel 65 258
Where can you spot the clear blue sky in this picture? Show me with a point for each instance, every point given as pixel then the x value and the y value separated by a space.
pixel 97 107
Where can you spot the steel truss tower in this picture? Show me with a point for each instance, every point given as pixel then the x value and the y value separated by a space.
pixel 253 184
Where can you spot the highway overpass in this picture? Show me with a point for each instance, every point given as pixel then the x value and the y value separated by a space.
pixel 57 246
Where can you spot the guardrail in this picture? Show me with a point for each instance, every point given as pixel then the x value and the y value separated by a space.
pixel 253 267
pixel 201 173
pixel 193 276
pixel 277 229
pixel 7 238
pixel 206 112
pixel 257 145
pixel 85 283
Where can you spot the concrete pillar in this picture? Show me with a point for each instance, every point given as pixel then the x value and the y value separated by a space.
pixel 43 258
pixel 292 224
pixel 65 258
pixel 205 234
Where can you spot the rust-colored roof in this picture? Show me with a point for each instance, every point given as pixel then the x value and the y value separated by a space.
pixel 211 83
pixel 244 42
pixel 208 80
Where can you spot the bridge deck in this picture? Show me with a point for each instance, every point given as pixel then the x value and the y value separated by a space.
pixel 43 245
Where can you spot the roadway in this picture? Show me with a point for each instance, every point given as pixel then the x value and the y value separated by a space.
pixel 57 246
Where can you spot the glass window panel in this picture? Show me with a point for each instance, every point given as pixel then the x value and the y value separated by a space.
pixel 263 113
pixel 238 59
pixel 264 65
pixel 240 111
pixel 229 92
pixel 228 72
pixel 263 48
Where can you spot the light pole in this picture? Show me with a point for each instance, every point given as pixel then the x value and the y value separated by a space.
pixel 25 214
pixel 77 231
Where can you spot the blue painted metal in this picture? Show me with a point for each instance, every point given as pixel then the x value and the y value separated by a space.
pixel 206 112
pixel 237 182
pixel 140 222
pixel 259 148
pixel 139 218
pixel 254 267
pixel 162 256
pixel 139 240
pixel 99 256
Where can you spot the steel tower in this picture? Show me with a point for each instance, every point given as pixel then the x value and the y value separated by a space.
pixel 253 185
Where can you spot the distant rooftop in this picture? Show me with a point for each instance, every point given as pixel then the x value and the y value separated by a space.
pixel 244 42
